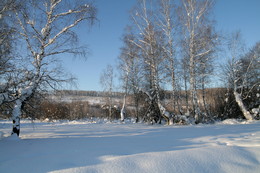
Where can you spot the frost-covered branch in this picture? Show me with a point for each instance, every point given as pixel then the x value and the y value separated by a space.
pixel 24 33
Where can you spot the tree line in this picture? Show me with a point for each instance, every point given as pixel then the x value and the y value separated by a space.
pixel 174 45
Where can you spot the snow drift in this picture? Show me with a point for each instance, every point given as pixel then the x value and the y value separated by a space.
pixel 92 147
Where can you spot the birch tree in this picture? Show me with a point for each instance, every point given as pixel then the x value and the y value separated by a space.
pixel 129 65
pixel 167 23
pixel 46 28
pixel 205 66
pixel 240 70
pixel 185 81
pixel 107 78
pixel 149 40
pixel 195 22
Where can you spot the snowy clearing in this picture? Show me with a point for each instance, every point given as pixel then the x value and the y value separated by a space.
pixel 92 147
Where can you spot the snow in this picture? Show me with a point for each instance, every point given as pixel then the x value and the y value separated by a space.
pixel 31 22
pixel 112 147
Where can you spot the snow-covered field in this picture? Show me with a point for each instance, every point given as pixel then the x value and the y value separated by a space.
pixel 84 146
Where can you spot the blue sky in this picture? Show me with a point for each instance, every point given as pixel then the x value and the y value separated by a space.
pixel 104 41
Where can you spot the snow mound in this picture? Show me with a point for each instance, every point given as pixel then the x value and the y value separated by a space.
pixel 235 121
pixel 12 138
pixel 201 160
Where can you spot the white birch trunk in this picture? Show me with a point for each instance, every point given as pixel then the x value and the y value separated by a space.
pixel 242 107
pixel 166 115
pixel 16 116
pixel 122 113
pixel 24 94
pixel 193 91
